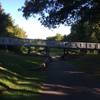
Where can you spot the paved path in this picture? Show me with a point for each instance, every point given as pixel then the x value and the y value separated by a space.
pixel 64 82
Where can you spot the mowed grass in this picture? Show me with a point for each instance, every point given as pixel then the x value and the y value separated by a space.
pixel 56 51
pixel 87 63
pixel 20 77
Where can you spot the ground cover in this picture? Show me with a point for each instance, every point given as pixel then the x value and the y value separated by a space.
pixel 20 77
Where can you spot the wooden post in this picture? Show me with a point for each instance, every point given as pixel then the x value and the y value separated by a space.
pixel 47 51
pixel 6 48
pixel 99 51
pixel 29 50
pixel 64 52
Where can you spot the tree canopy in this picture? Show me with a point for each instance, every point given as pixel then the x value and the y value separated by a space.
pixel 7 26
pixel 84 32
pixel 57 37
pixel 55 12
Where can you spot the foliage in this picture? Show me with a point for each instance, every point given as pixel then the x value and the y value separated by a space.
pixel 57 37
pixel 19 32
pixel 55 12
pixel 18 79
pixel 7 27
pixel 56 51
pixel 5 22
pixel 83 15
pixel 84 31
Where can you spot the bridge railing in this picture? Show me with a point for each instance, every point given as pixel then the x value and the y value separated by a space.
pixel 46 43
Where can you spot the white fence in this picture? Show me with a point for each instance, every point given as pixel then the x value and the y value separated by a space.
pixel 46 43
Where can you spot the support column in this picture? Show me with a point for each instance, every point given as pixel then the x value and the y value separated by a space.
pixel 47 51
pixel 29 50
pixel 99 51
pixel 6 48
pixel 64 52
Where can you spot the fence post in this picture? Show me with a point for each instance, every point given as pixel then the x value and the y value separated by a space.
pixel 6 48
pixel 29 49
pixel 47 51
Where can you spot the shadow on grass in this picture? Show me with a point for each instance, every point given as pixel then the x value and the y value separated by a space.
pixel 17 87
pixel 71 86
pixel 18 79
pixel 65 82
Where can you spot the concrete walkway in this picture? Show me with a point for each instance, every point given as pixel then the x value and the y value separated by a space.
pixel 64 82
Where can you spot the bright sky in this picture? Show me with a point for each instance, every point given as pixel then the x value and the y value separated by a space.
pixel 32 26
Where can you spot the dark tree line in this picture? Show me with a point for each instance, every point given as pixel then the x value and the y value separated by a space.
pixel 85 32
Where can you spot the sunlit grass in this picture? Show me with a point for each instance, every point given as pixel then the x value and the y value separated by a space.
pixel 1 88
pixel 18 77
pixel 16 86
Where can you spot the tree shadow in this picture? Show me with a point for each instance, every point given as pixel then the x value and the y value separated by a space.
pixel 66 83
pixel 10 81
pixel 16 84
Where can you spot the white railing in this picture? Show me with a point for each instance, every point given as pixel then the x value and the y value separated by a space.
pixel 37 42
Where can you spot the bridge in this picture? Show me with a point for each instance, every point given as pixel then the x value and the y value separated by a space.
pixel 8 41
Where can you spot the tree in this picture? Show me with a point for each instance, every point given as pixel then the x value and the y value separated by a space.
pixel 9 29
pixel 55 12
pixel 5 22
pixel 7 26
pixel 19 32
pixel 84 31
pixel 57 37
pixel 79 32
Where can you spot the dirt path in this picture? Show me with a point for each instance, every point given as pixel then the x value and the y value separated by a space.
pixel 64 82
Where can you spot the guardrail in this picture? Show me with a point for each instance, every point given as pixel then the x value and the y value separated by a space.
pixel 46 43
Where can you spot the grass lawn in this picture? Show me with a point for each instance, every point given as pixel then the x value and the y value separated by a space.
pixel 19 77
pixel 87 63
pixel 56 51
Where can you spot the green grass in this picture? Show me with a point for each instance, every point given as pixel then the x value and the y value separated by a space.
pixel 87 63
pixel 19 78
pixel 56 51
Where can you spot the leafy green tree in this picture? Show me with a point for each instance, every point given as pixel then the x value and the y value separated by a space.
pixel 9 29
pixel 78 32
pixel 5 22
pixel 7 26
pixel 19 32
pixel 84 32
pixel 94 30
pixel 55 12
pixel 51 38
pixel 83 15
pixel 57 37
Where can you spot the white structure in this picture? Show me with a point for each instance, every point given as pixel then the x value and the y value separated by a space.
pixel 46 43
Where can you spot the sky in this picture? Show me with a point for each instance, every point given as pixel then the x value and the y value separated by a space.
pixel 32 26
